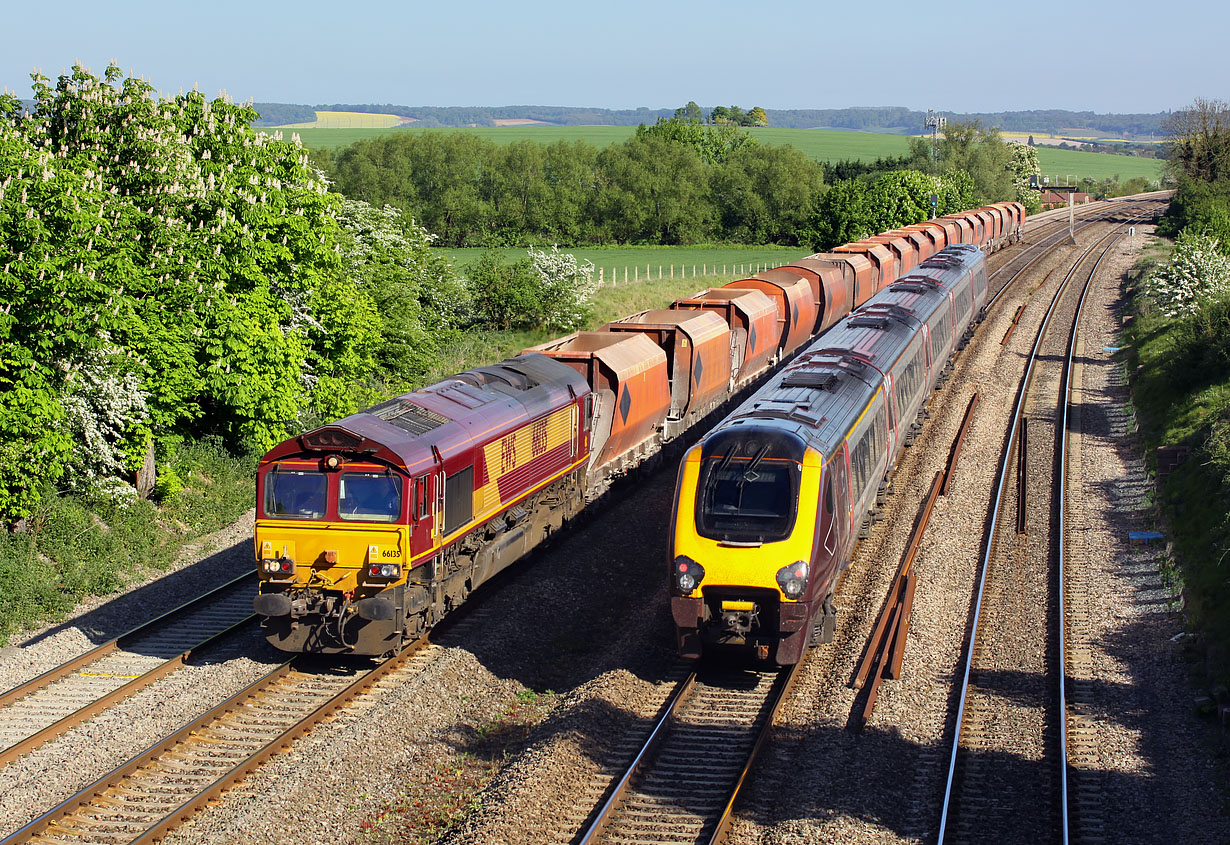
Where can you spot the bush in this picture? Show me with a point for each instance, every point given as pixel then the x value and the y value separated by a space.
pixel 1196 275
pixel 506 295
pixel 1201 345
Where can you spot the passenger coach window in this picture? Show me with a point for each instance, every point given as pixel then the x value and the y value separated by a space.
pixel 747 500
pixel 369 497
pixel 295 495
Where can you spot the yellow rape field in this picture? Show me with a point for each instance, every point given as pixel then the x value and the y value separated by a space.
pixel 349 120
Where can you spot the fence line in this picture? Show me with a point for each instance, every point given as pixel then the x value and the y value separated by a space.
pixel 632 273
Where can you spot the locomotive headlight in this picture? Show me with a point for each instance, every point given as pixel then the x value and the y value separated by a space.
pixel 793 579
pixel 384 570
pixel 688 573
pixel 278 566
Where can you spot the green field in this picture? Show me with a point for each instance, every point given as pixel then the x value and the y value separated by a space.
pixel 819 144
pixel 1098 165
pixel 636 263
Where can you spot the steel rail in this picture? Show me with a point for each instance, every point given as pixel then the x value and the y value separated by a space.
pixel 781 690
pixel 98 705
pixel 102 650
pixel 1000 485
pixel 84 797
pixel 1063 501
pixel 606 812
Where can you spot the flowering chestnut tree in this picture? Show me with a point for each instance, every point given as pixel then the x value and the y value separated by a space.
pixel 1197 274
pixel 158 251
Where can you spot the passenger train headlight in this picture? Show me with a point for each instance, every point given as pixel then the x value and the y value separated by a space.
pixel 687 574
pixel 793 579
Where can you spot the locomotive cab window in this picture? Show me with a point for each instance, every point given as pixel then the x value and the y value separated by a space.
pixel 423 503
pixel 369 497
pixel 747 499
pixel 295 495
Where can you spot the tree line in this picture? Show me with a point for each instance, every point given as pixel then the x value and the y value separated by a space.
pixel 890 119
pixel 675 182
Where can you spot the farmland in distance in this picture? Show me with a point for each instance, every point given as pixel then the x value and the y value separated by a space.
pixel 819 144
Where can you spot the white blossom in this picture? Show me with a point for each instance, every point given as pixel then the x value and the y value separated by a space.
pixel 1196 274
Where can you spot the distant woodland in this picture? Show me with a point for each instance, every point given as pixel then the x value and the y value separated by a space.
pixel 896 120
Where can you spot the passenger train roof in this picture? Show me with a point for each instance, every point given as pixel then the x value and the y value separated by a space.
pixel 817 399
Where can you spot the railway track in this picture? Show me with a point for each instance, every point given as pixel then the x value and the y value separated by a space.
pixel 682 784
pixel 45 707
pixel 1007 776
pixel 163 786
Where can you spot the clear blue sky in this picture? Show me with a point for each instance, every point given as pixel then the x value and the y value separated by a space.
pixel 785 54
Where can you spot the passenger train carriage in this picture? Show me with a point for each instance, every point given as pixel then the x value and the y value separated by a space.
pixel 370 529
pixel 769 504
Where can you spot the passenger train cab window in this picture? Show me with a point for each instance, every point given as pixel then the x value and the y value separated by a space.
pixel 295 494
pixel 369 497
pixel 747 499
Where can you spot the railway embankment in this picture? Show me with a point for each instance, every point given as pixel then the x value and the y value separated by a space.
pixel 1177 372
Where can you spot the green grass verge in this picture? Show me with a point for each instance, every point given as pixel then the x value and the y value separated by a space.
pixel 637 262
pixel 1196 496
pixel 819 144
pixel 76 547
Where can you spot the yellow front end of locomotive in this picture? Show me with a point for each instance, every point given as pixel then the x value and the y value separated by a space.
pixel 339 556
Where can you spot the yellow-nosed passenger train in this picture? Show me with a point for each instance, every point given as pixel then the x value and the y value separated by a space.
pixel 770 503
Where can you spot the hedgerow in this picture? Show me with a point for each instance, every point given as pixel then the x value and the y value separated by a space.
pixel 165 270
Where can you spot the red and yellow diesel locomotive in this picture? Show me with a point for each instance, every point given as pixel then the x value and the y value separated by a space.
pixel 370 529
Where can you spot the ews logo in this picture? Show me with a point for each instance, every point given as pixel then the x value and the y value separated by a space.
pixel 538 438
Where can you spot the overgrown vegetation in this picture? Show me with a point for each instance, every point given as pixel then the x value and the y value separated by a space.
pixel 168 278
pixel 77 546
pixel 1181 341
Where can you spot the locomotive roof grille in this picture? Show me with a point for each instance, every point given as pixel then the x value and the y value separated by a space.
pixel 407 416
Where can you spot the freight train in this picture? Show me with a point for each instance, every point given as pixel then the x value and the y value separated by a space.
pixel 769 504
pixel 371 528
